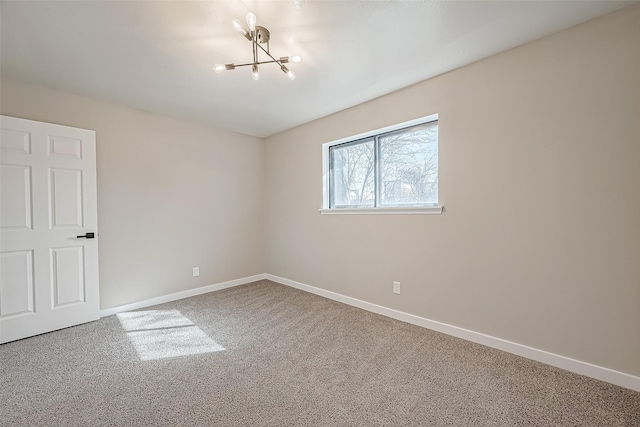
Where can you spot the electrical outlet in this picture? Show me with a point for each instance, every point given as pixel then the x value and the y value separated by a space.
pixel 396 287
pixel 196 271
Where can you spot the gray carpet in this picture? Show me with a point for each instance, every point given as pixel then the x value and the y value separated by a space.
pixel 264 354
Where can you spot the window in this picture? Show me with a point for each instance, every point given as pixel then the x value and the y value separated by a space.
pixel 386 170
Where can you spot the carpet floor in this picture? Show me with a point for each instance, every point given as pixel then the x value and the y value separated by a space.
pixel 264 354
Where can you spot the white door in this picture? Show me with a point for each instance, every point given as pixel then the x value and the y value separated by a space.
pixel 48 201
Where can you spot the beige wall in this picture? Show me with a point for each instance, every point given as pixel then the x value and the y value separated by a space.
pixel 540 178
pixel 171 194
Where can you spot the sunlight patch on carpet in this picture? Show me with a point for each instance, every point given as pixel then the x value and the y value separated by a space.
pixel 159 334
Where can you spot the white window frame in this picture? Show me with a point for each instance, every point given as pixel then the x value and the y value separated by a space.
pixel 326 175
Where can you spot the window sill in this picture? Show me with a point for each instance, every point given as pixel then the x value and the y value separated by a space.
pixel 423 210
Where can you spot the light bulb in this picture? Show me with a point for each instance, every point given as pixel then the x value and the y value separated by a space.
pixel 218 68
pixel 254 72
pixel 251 21
pixel 288 72
pixel 238 26
pixel 287 59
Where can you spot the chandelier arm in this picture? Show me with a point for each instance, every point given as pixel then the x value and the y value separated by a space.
pixel 254 63
pixel 255 43
pixel 277 61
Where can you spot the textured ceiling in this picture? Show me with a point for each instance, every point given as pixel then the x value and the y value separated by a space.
pixel 158 55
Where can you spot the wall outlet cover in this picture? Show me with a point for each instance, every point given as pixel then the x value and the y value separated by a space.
pixel 396 287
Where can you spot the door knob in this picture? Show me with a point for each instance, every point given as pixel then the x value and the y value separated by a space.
pixel 87 236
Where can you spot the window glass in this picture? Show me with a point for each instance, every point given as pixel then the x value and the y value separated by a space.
pixel 353 174
pixel 409 166
pixel 394 167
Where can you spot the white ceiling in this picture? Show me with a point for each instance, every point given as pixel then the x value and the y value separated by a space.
pixel 158 55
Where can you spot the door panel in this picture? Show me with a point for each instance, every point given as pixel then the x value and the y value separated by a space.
pixel 15 196
pixel 65 147
pixel 16 287
pixel 13 140
pixel 66 197
pixel 49 277
pixel 67 275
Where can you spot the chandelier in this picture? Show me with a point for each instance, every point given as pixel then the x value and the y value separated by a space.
pixel 258 36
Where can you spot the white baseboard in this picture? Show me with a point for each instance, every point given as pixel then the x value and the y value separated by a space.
pixel 583 368
pixel 180 295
